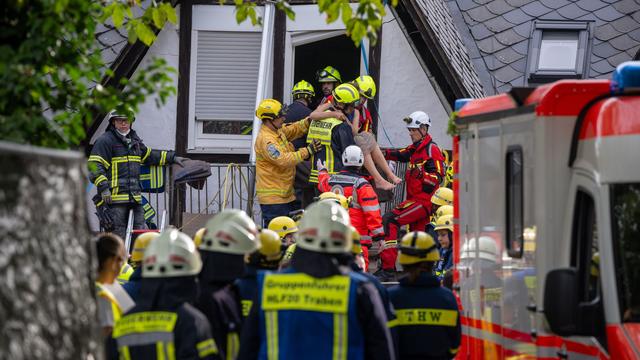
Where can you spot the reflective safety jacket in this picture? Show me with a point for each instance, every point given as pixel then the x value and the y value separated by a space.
pixel 276 161
pixel 426 169
pixel 293 304
pixel 428 320
pixel 444 264
pixel 364 209
pixel 115 161
pixel 247 290
pixel 335 136
pixel 108 308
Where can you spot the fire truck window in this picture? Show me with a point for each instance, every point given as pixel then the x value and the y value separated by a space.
pixel 514 198
pixel 585 255
pixel 625 228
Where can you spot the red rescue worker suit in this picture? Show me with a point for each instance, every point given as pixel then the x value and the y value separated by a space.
pixel 364 209
pixel 423 176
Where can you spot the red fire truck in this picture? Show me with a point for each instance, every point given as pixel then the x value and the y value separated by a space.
pixel 547 209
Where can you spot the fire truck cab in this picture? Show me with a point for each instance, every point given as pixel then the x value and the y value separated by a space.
pixel 547 209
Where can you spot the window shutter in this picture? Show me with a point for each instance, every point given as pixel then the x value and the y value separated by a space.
pixel 227 75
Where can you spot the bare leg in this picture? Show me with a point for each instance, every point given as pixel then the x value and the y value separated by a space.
pixel 379 160
pixel 381 183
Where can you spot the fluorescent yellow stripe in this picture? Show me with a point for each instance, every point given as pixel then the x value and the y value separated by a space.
pixel 271 319
pixel 100 179
pixel 339 337
pixel 163 158
pixel 171 350
pixel 100 159
pixel 146 154
pixel 427 317
pixel 160 351
pixel 207 347
pixel 233 344
pixel 392 323
pixel 124 353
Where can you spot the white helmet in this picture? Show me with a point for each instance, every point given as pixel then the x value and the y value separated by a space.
pixel 486 247
pixel 325 228
pixel 231 232
pixel 352 156
pixel 416 119
pixel 171 254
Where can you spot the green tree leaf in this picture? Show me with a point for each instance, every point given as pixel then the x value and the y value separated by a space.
pixel 118 15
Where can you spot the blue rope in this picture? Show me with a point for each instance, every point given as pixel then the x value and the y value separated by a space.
pixel 366 69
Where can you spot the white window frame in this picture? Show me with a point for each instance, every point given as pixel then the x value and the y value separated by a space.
pixel 214 18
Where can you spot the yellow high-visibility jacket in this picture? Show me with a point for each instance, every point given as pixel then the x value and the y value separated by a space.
pixel 276 161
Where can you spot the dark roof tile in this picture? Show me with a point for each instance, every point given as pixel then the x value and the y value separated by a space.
pixel 479 31
pixel 571 11
pixel 623 42
pixel 608 14
pixel 589 17
pixel 618 59
pixel 627 6
pixel 554 15
pixel 480 14
pixel 633 51
pixel 591 5
pixel 499 7
pixel 509 37
pixel 604 50
pixel 605 32
pixel 602 67
pixel 625 24
pixel 554 4
pixel 518 3
pixel 504 88
pixel 522 47
pixel 508 55
pixel 506 74
pixel 465 5
pixel 490 45
pixel 498 24
pixel 516 16
pixel 524 29
pixel 535 9
pixel 481 2
pixel 468 19
pixel 492 62
pixel 635 34
pixel 636 16
pixel 520 65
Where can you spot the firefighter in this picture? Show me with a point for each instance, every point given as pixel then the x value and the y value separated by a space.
pixel 428 321
pixel 334 134
pixel 364 209
pixel 276 159
pixel 267 257
pixel 286 228
pixel 303 94
pixel 132 287
pixel 444 228
pixel 229 236
pixel 423 176
pixel 111 256
pixel 317 309
pixel 329 78
pixel 114 166
pixel 164 324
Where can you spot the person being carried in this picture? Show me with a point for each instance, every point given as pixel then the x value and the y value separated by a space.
pixel 361 127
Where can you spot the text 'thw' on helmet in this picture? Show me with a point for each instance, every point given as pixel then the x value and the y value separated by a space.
pixel 352 156
pixel 231 231
pixel 302 89
pixel 171 254
pixel 346 94
pixel 329 74
pixel 417 119
pixel 417 246
pixel 325 228
pixel 366 85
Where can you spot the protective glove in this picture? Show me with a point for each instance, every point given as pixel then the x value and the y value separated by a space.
pixel 320 165
pixel 314 146
pixel 106 196
pixel 105 217
pixel 179 160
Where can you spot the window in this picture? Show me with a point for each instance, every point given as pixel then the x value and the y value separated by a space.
pixel 557 51
pixel 625 226
pixel 514 198
pixel 584 254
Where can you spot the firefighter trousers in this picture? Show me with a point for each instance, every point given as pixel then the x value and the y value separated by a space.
pixel 121 217
pixel 409 213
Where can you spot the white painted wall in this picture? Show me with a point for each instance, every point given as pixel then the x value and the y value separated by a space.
pixel 404 87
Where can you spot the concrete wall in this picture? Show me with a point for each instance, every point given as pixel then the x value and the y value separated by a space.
pixel 404 87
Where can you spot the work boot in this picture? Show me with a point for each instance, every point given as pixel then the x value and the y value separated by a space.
pixel 385 275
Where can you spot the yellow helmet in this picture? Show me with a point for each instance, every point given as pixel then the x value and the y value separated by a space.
pixel 346 94
pixel 141 243
pixel 356 248
pixel 283 225
pixel 302 88
pixel 270 245
pixel 417 246
pixel 125 273
pixel 442 196
pixel 366 85
pixel 444 222
pixel 197 238
pixel 329 74
pixel 269 109
pixel 444 210
pixel 339 198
